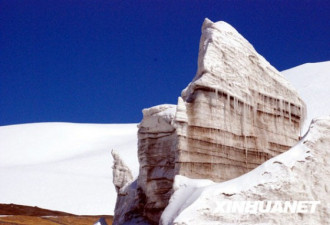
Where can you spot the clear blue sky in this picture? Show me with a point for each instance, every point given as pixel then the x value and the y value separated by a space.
pixel 95 61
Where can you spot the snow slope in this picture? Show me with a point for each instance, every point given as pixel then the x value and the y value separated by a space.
pixel 312 81
pixel 64 166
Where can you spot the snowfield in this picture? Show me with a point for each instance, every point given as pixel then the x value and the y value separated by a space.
pixel 312 81
pixel 64 166
pixel 67 167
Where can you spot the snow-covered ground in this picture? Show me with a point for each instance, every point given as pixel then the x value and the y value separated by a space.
pixel 312 81
pixel 64 166
pixel 67 167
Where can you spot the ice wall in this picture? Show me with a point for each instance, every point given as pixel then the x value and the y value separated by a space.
pixel 238 112
pixel 156 153
pixel 299 174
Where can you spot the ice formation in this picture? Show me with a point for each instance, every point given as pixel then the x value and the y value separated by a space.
pixel 300 174
pixel 121 173
pixel 238 112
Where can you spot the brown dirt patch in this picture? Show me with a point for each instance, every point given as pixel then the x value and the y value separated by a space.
pixel 25 215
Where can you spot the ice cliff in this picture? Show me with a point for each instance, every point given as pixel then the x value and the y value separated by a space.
pixel 300 174
pixel 237 112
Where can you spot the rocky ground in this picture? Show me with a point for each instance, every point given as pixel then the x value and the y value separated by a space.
pixel 18 214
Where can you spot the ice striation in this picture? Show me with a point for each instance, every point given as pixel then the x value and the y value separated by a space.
pixel 237 112
pixel 147 196
pixel 156 153
pixel 122 175
pixel 299 174
pixel 127 194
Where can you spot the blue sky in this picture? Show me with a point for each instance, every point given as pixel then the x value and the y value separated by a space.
pixel 104 61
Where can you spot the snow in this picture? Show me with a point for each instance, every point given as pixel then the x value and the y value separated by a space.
pixel 64 166
pixel 190 190
pixel 312 81
pixel 192 195
pixel 185 192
